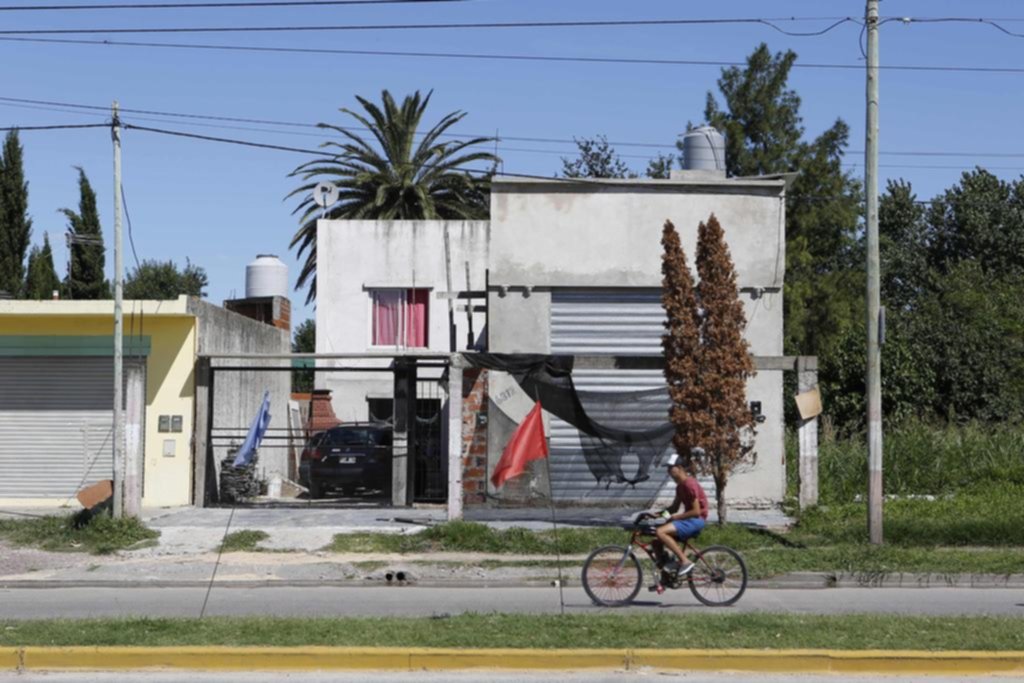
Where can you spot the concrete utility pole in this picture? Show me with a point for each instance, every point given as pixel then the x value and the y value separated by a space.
pixel 119 458
pixel 874 370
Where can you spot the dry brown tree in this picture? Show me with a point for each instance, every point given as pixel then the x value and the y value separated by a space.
pixel 707 359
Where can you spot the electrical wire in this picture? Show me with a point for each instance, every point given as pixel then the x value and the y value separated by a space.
pixel 56 127
pixel 476 26
pixel 222 5
pixel 507 57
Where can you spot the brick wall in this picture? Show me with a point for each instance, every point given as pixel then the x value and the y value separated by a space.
pixel 474 435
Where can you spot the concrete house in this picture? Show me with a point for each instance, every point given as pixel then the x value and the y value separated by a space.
pixel 56 393
pixel 562 267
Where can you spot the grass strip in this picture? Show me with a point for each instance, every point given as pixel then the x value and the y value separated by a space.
pixel 759 630
pixel 245 540
pixel 103 535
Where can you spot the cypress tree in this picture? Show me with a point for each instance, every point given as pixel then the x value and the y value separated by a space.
pixel 86 281
pixel 682 348
pixel 42 278
pixel 725 361
pixel 15 225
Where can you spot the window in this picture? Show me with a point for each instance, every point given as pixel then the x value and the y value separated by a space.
pixel 400 317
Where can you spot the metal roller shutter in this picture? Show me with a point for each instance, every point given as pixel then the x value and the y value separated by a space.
pixel 55 425
pixel 599 322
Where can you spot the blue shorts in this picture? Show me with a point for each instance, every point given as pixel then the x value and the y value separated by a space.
pixel 688 528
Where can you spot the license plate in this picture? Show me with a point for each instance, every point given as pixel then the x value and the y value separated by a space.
pixel 347 461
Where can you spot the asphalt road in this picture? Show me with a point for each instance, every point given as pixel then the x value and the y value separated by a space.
pixel 42 603
pixel 463 677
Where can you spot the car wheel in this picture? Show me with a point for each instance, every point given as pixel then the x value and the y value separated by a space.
pixel 316 490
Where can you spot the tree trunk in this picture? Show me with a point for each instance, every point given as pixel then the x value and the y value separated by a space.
pixel 720 483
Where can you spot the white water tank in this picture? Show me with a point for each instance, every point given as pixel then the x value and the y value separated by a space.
pixel 704 150
pixel 266 276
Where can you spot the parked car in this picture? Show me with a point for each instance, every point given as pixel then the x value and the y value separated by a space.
pixel 352 458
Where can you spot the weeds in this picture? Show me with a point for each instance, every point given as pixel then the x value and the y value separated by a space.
pixel 245 540
pixel 103 535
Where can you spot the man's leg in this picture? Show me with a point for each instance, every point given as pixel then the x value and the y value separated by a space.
pixel 666 533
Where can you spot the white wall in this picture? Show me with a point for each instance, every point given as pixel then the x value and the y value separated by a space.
pixel 354 257
pixel 552 234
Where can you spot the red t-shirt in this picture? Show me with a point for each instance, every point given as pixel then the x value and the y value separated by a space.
pixel 690 491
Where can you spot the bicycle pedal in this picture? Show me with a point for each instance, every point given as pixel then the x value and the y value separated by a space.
pixel 656 588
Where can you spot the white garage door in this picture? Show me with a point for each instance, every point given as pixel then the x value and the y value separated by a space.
pixel 55 425
pixel 609 322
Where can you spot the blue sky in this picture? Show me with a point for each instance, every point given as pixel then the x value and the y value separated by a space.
pixel 220 205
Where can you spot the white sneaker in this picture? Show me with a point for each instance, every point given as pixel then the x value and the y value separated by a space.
pixel 683 571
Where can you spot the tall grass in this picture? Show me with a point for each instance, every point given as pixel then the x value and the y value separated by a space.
pixel 921 459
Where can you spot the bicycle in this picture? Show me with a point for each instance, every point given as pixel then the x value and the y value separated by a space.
pixel 612 574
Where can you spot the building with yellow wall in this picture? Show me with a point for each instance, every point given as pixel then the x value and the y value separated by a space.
pixel 56 393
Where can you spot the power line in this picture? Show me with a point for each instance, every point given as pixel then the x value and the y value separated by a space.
pixel 509 57
pixel 604 23
pixel 57 127
pixel 193 118
pixel 223 5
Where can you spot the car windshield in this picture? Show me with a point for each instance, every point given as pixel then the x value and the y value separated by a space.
pixel 355 436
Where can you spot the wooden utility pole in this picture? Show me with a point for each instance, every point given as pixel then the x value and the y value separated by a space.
pixel 874 365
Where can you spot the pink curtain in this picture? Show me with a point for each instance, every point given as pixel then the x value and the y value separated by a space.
pixel 387 305
pixel 416 318
pixel 401 315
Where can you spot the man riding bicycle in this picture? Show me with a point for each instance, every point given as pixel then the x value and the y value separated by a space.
pixel 685 517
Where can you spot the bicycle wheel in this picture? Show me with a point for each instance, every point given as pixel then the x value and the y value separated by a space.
pixel 719 576
pixel 612 576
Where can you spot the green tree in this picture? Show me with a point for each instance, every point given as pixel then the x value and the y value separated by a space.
pixel 764 134
pixel 391 176
pixel 42 280
pixel 980 219
pixel 15 224
pixel 153 279
pixel 304 341
pixel 903 235
pixel 86 280
pixel 595 159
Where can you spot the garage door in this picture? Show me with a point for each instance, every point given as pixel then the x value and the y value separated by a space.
pixel 610 322
pixel 55 425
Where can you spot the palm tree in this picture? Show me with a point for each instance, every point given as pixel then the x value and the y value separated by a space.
pixel 395 179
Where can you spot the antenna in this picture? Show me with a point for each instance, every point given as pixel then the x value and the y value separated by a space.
pixel 325 194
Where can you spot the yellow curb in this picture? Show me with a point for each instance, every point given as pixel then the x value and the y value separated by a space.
pixel 440 659
pixel 10 658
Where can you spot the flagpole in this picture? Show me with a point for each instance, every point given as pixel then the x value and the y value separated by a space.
pixel 554 521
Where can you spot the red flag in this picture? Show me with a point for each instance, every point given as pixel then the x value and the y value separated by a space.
pixel 528 443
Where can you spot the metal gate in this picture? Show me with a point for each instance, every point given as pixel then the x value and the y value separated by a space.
pixel 56 420
pixel 608 322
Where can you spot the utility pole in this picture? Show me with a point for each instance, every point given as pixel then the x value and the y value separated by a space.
pixel 874 369
pixel 119 455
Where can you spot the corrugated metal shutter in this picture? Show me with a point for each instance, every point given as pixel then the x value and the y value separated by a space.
pixel 608 322
pixel 55 425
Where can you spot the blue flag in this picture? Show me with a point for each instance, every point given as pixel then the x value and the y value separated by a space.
pixel 256 432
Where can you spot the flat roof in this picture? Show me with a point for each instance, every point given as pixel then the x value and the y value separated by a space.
pixel 95 307
pixel 697 180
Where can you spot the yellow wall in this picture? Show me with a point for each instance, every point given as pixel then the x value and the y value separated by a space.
pixel 169 390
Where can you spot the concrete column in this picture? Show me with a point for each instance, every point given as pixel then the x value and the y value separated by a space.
pixel 135 411
pixel 403 450
pixel 455 438
pixel 201 434
pixel 807 379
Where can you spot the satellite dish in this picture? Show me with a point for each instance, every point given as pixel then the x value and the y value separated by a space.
pixel 325 194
